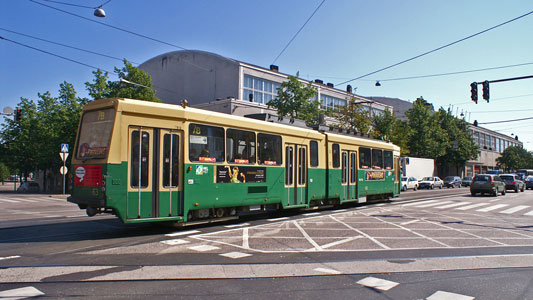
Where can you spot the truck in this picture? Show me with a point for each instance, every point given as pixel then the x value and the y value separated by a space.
pixel 417 167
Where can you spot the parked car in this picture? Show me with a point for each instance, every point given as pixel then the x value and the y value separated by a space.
pixel 409 183
pixel 452 181
pixel 487 183
pixel 430 183
pixel 529 182
pixel 513 182
pixel 466 181
pixel 29 187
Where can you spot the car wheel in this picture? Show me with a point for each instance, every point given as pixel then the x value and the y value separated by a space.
pixel 503 192
pixel 495 194
pixel 432 187
pixel 516 189
pixel 522 189
pixel 473 194
pixel 415 188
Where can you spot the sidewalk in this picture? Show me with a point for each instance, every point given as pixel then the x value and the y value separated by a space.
pixel 8 187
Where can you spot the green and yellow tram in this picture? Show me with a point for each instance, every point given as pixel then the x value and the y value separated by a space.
pixel 148 162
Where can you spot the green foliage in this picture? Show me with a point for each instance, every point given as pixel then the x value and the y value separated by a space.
pixel 353 116
pixel 513 158
pixel 4 172
pixel 294 100
pixel 425 137
pixel 383 125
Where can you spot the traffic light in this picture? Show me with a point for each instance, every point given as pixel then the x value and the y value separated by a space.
pixel 486 90
pixel 18 114
pixel 473 91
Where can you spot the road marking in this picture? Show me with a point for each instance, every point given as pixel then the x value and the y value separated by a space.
pixel 311 214
pixel 376 283
pixel 453 205
pixel 361 233
pixel 471 206
pixel 182 233
pixel 175 242
pixel 237 225
pixel 278 219
pixel 21 293
pixel 341 241
pixel 245 243
pixel 235 255
pixel 10 201
pixel 433 204
pixel 491 208
pixel 529 213
pixel 9 257
pixel 514 209
pixel 203 248
pixel 307 237
pixel 440 295
pixel 329 271
pixel 409 222
pixel 419 202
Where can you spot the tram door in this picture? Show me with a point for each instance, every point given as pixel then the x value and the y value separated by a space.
pixel 154 173
pixel 296 174
pixel 349 175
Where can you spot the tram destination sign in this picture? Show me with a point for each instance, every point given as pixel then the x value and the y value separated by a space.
pixel 240 174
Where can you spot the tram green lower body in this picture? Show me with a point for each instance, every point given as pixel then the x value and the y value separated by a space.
pixel 203 191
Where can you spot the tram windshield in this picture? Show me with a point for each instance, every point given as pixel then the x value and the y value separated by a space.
pixel 95 133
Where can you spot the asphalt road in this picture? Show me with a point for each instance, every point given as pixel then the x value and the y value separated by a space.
pixel 424 245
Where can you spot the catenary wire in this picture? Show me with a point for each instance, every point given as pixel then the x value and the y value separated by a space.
pixel 111 26
pixel 308 19
pixel 439 48
pixel 67 46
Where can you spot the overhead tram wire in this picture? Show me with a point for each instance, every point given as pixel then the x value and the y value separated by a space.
pixel 292 39
pixel 111 26
pixel 437 49
pixel 506 121
pixel 75 61
pixel 67 46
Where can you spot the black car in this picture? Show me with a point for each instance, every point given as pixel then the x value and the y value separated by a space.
pixel 513 182
pixel 466 181
pixel 452 181
pixel 529 182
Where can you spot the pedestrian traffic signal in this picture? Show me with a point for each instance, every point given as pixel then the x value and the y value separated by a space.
pixel 473 91
pixel 18 114
pixel 486 90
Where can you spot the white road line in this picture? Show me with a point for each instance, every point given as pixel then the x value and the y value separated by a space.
pixel 237 225
pixel 235 255
pixel 21 293
pixel 341 241
pixel 380 284
pixel 529 213
pixel 182 233
pixel 453 205
pixel 472 206
pixel 175 242
pixel 361 233
pixel 245 243
pixel 311 214
pixel 491 208
pixel 278 219
pixel 512 210
pixel 409 222
pixel 440 295
pixel 419 202
pixel 9 257
pixel 9 201
pixel 307 237
pixel 432 204
pixel 203 248
pixel 329 271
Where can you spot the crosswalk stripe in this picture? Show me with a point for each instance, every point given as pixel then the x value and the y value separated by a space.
pixel 433 204
pixel 453 205
pixel 529 213
pixel 441 295
pixel 21 293
pixel 417 203
pixel 514 209
pixel 380 284
pixel 9 201
pixel 471 206
pixel 491 208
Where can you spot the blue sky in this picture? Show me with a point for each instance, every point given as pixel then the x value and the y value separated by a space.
pixel 345 39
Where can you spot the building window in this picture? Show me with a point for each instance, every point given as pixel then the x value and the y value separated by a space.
pixel 331 103
pixel 259 90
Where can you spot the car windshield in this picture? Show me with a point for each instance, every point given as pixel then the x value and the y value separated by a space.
pixel 449 178
pixel 427 179
pixel 506 177
pixel 482 178
pixel 404 178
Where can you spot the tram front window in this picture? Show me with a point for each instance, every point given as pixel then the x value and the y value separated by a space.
pixel 95 133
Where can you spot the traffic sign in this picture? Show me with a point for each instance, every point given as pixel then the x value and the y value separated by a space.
pixel 63 170
pixel 63 156
pixel 64 148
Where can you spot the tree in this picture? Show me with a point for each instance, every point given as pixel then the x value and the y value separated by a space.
pixel 354 117
pixel 425 136
pixel 513 158
pixel 295 100
pixel 383 125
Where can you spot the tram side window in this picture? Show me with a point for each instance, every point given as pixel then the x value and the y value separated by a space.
pixel 389 162
pixel 365 158
pixel 240 146
pixel 140 152
pixel 170 160
pixel 206 143
pixel 269 149
pixel 377 159
pixel 313 155
pixel 336 155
